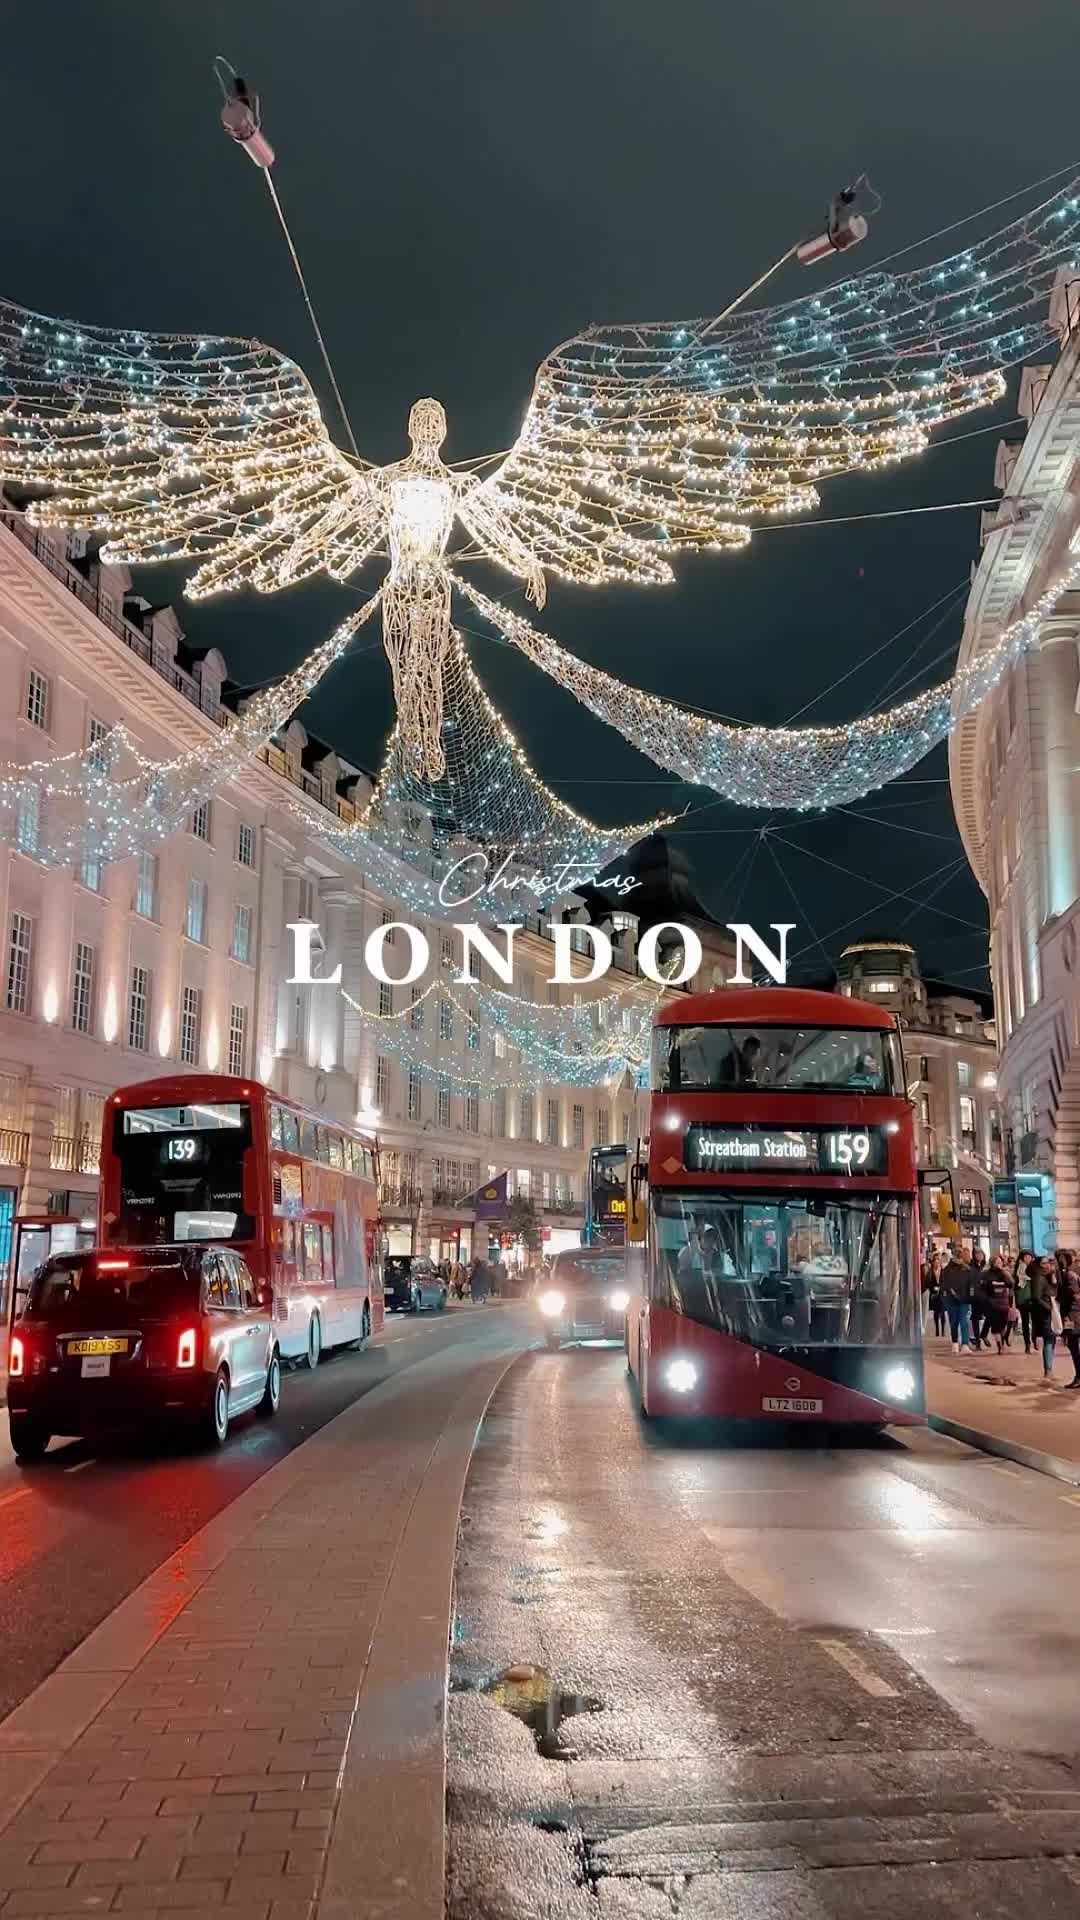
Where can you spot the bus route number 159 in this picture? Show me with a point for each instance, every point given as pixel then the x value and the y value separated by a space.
pixel 848 1149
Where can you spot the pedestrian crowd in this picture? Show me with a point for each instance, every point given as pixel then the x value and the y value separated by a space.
pixel 981 1304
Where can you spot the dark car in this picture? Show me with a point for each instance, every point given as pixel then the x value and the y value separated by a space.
pixel 585 1296
pixel 112 1339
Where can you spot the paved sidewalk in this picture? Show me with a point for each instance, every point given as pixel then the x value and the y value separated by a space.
pixel 1003 1399
pixel 257 1732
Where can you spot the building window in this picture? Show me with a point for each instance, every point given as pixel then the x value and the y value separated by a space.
pixel 963 1073
pixel 37 699
pixel 415 1094
pixel 28 820
pixel 924 1109
pixel 386 999
pixel 20 962
pixel 139 1009
pixel 969 1202
pixel 388 921
pixel 300 1021
pixel 245 844
pixel 498 1112
pixel 500 1045
pixel 577 1131
pixel 553 1123
pixel 627 1132
pixel 416 1010
pixel 200 820
pixel 446 950
pixel 442 1102
pixel 82 988
pixel 98 757
pixel 237 1038
pixel 967 1121
pixel 195 924
pixel 90 873
pixel 446 1020
pixel 382 1083
pixel 305 900
pixel 190 1023
pixel 146 886
pixel 241 932
pixel 472 1107
pixel 603 1126
pixel 526 1117
pixel 924 1067
pixel 472 1031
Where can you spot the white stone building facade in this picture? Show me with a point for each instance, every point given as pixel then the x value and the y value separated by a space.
pixel 181 959
pixel 1014 768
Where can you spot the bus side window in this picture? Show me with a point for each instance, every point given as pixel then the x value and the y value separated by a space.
pixel 328 1255
pixel 277 1130
pixel 312 1251
pixel 290 1131
pixel 322 1145
pixel 308 1132
pixel 335 1149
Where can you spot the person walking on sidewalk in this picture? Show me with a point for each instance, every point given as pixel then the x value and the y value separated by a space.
pixel 1022 1295
pixel 1046 1318
pixel 932 1301
pixel 956 1281
pixel 1069 1301
pixel 997 1293
pixel 978 1297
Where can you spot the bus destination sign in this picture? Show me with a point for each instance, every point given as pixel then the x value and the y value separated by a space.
pixel 756 1147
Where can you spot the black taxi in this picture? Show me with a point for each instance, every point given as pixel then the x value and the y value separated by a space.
pixel 112 1338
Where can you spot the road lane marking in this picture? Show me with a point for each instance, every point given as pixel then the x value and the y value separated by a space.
pixel 1014 1473
pixel 80 1464
pixel 1072 1498
pixel 853 1663
pixel 9 1499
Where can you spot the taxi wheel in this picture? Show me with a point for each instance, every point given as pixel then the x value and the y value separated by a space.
pixel 442 1301
pixel 29 1438
pixel 216 1418
pixel 314 1342
pixel 271 1399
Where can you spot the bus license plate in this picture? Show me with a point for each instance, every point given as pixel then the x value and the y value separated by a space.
pixel 792 1406
pixel 95 1365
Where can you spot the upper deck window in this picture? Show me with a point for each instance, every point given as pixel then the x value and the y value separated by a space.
pixel 776 1059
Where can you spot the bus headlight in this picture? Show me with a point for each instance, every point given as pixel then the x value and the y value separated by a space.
pixel 619 1300
pixel 551 1305
pixel 899 1383
pixel 681 1376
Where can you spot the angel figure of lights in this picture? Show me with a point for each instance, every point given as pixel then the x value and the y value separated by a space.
pixel 640 441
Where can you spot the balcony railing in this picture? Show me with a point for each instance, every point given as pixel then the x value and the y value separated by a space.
pixel 133 638
pixel 74 1153
pixel 14 1147
pixel 279 762
pixel 398 1194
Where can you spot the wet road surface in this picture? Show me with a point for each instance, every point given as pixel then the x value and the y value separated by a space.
pixel 80 1530
pixel 695 1677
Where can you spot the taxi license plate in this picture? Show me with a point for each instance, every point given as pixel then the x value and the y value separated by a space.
pixel 792 1406
pixel 101 1343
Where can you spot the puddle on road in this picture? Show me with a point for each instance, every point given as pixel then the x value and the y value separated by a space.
pixel 530 1694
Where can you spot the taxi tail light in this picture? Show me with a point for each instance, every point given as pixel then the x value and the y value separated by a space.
pixel 185 1348
pixel 16 1358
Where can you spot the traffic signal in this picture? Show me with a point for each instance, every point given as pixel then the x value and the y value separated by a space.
pixel 948 1225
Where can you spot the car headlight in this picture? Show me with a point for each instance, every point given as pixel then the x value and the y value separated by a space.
pixel 899 1383
pixel 551 1305
pixel 681 1376
pixel 619 1300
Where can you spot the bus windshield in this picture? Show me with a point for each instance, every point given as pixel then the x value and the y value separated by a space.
pixel 784 1059
pixel 182 1173
pixel 786 1270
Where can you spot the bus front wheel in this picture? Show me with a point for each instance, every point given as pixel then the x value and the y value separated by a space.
pixel 314 1341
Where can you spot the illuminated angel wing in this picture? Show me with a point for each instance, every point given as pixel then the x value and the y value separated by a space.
pixel 641 440
pixel 179 446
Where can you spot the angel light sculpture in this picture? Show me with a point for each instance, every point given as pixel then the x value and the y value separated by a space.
pixel 640 441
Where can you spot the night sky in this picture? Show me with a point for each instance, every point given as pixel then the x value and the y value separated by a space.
pixel 470 184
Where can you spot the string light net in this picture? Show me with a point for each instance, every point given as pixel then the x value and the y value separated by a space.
pixel 487 832
pixel 779 767
pixel 111 800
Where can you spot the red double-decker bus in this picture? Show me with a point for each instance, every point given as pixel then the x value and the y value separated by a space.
pixel 205 1156
pixel 782 1268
